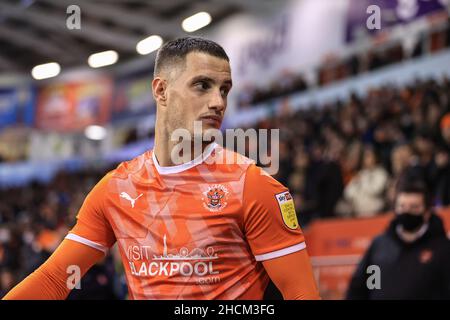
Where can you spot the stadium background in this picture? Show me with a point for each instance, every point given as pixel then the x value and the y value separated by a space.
pixel 350 103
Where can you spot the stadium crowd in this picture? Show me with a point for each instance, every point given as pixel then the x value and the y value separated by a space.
pixel 335 68
pixel 343 159
pixel 339 160
pixel 35 219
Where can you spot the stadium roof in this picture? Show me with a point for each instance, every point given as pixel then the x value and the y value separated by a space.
pixel 33 32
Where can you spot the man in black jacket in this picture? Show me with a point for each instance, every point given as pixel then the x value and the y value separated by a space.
pixel 412 256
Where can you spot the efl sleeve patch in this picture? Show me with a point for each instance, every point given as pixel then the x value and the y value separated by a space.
pixel 287 208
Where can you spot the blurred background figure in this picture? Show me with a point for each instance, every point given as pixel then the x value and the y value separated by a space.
pixel 7 281
pixel 365 192
pixel 443 164
pixel 413 255
pixel 98 283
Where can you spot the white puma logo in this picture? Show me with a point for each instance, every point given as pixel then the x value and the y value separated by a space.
pixel 127 197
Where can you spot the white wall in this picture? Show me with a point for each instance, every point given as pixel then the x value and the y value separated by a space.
pixel 259 51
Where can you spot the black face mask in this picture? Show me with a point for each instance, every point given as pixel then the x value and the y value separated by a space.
pixel 409 221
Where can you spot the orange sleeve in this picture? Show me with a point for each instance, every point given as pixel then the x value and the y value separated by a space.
pixel 270 221
pixel 92 227
pixel 50 280
pixel 293 276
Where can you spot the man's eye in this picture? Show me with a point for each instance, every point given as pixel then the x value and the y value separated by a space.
pixel 224 92
pixel 202 85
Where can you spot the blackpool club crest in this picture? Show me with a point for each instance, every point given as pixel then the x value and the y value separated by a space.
pixel 215 197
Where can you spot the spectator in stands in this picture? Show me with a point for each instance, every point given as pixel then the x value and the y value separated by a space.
pixel 33 220
pixel 366 191
pixel 423 164
pixel 401 158
pixel 445 132
pixel 443 178
pixel 351 160
pixel 97 284
pixel 7 281
pixel 443 164
pixel 412 255
pixel 285 164
pixel 324 184
pixel 299 184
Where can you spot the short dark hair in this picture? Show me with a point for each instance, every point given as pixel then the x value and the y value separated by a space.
pixel 408 184
pixel 175 51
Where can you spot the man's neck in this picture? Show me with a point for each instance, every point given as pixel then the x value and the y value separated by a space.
pixel 163 147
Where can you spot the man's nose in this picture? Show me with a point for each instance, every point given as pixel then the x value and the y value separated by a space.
pixel 217 102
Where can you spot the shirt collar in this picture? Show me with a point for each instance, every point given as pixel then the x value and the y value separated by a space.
pixel 184 166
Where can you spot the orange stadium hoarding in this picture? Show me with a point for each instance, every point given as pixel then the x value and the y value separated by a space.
pixel 337 245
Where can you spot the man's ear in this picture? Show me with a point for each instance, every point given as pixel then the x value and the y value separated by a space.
pixel 159 88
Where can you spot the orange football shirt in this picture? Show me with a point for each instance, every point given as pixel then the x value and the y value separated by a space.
pixel 198 230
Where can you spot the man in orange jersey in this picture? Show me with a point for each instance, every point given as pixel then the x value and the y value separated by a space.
pixel 202 229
